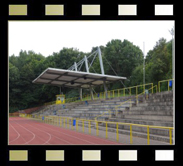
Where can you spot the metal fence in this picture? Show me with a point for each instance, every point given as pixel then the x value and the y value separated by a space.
pixel 85 124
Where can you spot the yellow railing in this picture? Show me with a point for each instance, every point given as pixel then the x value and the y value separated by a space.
pixel 108 111
pixel 133 90
pixel 127 101
pixel 123 91
pixel 168 88
pixel 67 122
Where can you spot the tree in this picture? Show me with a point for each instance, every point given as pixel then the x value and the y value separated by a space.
pixel 123 57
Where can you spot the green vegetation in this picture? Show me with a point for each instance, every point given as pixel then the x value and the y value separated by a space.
pixel 125 59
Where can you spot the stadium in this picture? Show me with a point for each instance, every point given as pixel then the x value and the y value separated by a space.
pixel 131 115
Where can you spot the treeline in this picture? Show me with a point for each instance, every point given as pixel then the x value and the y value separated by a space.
pixel 119 57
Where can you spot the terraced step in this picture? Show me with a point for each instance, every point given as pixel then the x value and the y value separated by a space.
pixel 143 122
pixel 148 112
pixel 152 108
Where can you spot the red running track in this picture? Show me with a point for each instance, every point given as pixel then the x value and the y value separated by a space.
pixel 29 132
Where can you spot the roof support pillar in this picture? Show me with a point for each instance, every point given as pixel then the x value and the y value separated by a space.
pixel 80 94
pixel 105 90
pixel 60 90
pixel 91 92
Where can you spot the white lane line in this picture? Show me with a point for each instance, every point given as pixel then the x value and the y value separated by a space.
pixel 51 135
pixel 70 135
pixel 35 135
pixel 29 132
pixel 82 134
pixel 16 132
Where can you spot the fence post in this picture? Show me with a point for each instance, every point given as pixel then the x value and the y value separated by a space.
pixel 106 130
pixel 89 127
pixel 72 127
pixel 83 126
pixel 168 85
pixel 170 133
pixel 113 93
pixel 131 140
pixel 130 91
pixel 118 92
pixel 148 141
pixel 97 127
pixel 159 86
pixel 117 135
pixel 77 124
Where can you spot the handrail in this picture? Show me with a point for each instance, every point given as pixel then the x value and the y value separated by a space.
pixel 102 94
pixel 164 81
pixel 129 100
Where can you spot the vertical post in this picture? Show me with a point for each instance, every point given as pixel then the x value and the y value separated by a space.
pixel 159 85
pixel 168 85
pixel 106 130
pixel 130 91
pixel 91 92
pixel 60 90
pixel 105 90
pixel 72 127
pixel 117 135
pixel 77 124
pixel 144 65
pixel 97 128
pixel 81 94
pixel 170 133
pixel 83 127
pixel 131 140
pixel 118 92
pixel 148 141
pixel 89 127
pixel 101 62
pixel 86 64
pixel 75 66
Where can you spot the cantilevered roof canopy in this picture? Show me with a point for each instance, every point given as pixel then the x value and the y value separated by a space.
pixel 73 79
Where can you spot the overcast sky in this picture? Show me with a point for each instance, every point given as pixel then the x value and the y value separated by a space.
pixel 46 37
